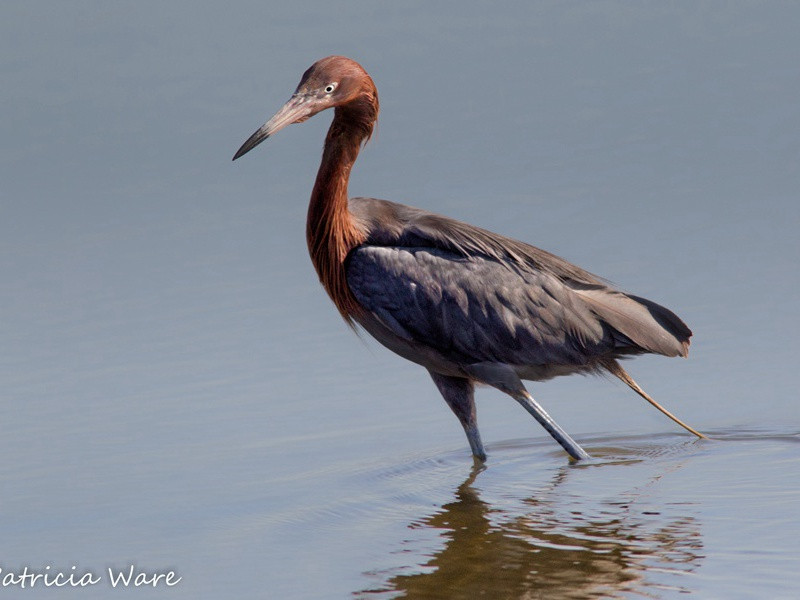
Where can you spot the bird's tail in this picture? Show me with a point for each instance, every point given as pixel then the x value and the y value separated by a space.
pixel 643 325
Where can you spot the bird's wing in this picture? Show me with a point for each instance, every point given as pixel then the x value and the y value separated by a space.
pixel 475 309
pixel 392 224
pixel 538 297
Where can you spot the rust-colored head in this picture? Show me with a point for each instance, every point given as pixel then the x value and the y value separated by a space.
pixel 334 81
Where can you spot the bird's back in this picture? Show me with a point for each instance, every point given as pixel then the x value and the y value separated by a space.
pixel 470 296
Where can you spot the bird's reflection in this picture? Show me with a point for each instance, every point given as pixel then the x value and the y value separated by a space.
pixel 548 550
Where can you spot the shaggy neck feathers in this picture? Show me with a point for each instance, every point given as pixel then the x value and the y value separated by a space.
pixel 331 231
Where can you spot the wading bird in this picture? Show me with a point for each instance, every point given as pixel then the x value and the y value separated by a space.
pixel 469 305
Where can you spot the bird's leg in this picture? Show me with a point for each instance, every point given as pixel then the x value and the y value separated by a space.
pixel 505 379
pixel 616 369
pixel 459 393
pixel 554 429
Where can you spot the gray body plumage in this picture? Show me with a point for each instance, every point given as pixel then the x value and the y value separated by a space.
pixel 469 296
pixel 474 306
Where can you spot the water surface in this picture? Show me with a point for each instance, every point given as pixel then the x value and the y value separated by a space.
pixel 179 394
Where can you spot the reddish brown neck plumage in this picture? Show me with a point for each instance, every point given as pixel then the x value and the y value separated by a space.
pixel 331 231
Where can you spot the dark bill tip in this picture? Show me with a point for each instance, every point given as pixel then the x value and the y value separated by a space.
pixel 297 109
pixel 253 141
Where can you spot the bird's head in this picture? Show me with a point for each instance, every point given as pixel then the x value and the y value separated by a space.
pixel 334 81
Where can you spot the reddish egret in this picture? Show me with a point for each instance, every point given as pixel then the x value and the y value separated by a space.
pixel 469 305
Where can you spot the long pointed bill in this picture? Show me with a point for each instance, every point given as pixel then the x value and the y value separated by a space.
pixel 299 108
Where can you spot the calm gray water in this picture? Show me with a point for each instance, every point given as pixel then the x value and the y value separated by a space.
pixel 178 393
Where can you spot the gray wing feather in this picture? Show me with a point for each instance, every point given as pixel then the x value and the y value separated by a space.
pixel 437 280
pixel 392 224
pixel 475 310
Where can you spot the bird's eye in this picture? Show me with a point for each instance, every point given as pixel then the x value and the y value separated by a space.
pixel 329 88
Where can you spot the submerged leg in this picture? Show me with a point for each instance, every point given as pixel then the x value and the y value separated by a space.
pixel 616 369
pixel 540 414
pixel 506 380
pixel 459 393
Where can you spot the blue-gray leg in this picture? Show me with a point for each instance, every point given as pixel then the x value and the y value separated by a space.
pixel 506 380
pixel 459 393
pixel 554 429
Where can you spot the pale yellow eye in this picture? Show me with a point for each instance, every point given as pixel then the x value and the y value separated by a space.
pixel 329 88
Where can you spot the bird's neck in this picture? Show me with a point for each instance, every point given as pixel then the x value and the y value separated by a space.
pixel 331 230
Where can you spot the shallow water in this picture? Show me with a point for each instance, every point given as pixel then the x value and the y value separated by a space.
pixel 179 394
pixel 632 522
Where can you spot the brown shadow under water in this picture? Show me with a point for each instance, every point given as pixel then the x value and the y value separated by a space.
pixel 544 549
